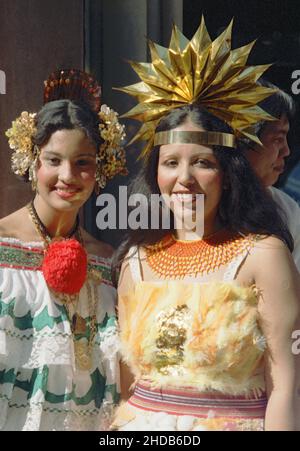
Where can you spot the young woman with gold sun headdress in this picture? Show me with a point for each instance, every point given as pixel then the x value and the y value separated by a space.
pixel 206 318
pixel 58 345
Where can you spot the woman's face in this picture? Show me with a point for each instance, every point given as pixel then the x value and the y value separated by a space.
pixel 66 170
pixel 185 170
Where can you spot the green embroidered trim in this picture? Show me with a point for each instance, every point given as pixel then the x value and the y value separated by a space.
pixel 14 334
pixel 7 377
pixel 7 309
pixel 20 257
pixel 39 381
pixel 81 412
pixel 44 320
pixel 108 322
pixel 104 270
pixel 27 321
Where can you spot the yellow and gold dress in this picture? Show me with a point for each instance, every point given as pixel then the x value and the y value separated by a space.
pixel 196 351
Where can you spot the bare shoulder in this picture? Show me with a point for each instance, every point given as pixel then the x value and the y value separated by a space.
pixel 270 254
pixel 269 245
pixel 10 225
pixel 96 247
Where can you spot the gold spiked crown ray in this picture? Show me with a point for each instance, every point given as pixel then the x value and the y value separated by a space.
pixel 201 70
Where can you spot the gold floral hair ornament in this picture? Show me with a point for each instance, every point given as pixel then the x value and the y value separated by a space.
pixel 74 85
pixel 111 159
pixel 201 70
pixel 20 140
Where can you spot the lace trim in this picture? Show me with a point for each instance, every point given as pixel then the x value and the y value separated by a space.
pixel 81 412
pixel 110 332
pixel 56 348
pixel 14 334
pixel 40 417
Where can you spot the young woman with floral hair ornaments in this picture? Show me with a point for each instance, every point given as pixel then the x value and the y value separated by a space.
pixel 206 320
pixel 58 346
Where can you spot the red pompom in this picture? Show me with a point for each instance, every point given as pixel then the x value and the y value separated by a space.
pixel 65 266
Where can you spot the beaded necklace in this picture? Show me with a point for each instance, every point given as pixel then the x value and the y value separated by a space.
pixel 65 260
pixel 82 346
pixel 172 258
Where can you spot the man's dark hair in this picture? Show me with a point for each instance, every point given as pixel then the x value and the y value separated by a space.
pixel 278 104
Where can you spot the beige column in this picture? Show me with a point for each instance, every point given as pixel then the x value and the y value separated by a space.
pixel 36 37
pixel 117 30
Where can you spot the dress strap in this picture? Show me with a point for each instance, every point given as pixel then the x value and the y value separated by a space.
pixel 135 264
pixel 234 266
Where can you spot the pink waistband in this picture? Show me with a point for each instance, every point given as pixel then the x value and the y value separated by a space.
pixel 189 401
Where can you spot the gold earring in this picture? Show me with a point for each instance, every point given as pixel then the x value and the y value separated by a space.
pixel 100 179
pixel 34 183
pixel 32 176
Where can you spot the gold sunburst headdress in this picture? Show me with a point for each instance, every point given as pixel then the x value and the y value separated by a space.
pixel 201 70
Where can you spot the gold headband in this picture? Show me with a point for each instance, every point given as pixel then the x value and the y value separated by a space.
pixel 196 137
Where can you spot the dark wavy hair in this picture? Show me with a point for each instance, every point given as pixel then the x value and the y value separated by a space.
pixel 245 205
pixel 65 115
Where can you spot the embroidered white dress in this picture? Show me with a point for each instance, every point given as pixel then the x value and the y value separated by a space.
pixel 41 387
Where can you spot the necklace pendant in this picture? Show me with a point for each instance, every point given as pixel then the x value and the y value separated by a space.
pixel 83 359
pixel 66 299
pixel 78 324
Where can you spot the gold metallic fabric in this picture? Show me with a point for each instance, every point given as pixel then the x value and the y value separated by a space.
pixel 202 138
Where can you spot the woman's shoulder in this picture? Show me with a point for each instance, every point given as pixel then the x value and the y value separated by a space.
pixel 96 247
pixel 270 254
pixel 17 226
pixel 7 226
pixel 269 243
